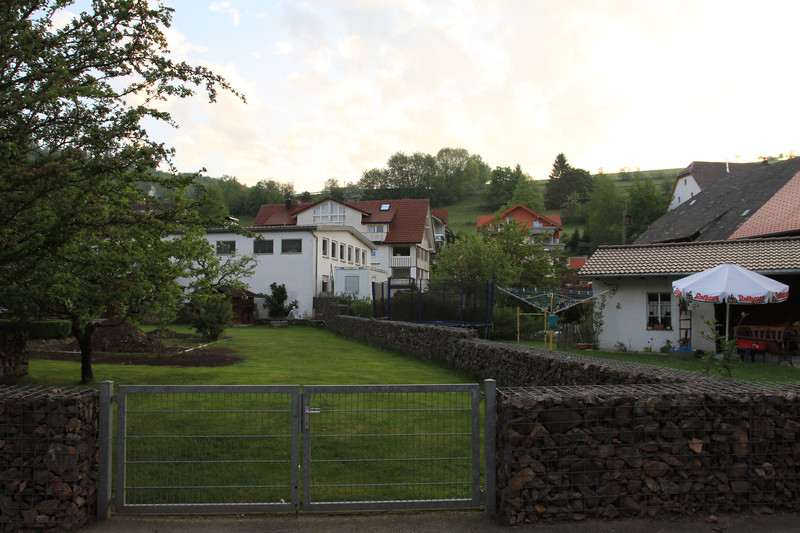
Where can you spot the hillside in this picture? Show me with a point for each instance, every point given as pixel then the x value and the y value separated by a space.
pixel 463 215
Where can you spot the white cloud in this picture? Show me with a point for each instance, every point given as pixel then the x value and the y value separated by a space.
pixel 342 85
pixel 227 8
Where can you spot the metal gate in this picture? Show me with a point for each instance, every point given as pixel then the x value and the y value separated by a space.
pixel 207 448
pixel 383 447
pixel 234 449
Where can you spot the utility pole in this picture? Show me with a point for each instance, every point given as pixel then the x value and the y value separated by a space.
pixel 624 222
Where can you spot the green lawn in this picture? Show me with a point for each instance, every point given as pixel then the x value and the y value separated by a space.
pixel 273 356
pixel 755 371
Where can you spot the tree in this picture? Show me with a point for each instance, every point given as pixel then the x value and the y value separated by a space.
pixel 264 192
pixel 564 180
pixel 508 257
pixel 502 185
pixel 528 193
pixel 76 239
pixel 605 213
pixel 645 205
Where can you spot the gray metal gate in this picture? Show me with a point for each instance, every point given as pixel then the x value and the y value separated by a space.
pixel 207 448
pixel 236 449
pixel 384 447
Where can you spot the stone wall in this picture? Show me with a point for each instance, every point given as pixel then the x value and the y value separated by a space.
pixel 48 458
pixel 644 450
pixel 508 364
pixel 581 437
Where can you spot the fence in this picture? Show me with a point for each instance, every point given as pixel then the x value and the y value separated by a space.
pixel 458 303
pixel 237 448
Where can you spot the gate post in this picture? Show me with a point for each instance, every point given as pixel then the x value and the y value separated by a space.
pixel 490 444
pixel 104 450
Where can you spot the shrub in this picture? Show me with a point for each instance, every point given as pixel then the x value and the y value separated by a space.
pixel 46 329
pixel 504 324
pixel 274 302
pixel 212 318
pixel 361 307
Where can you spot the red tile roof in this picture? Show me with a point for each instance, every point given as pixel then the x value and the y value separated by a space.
pixel 780 214
pixel 778 255
pixel 553 220
pixel 441 214
pixel 406 218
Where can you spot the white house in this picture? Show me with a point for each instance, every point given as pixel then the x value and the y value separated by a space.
pixel 635 286
pixel 304 245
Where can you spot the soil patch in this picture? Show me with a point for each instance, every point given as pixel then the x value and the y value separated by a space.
pixel 129 345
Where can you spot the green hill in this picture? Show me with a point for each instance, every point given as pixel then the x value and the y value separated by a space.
pixel 463 215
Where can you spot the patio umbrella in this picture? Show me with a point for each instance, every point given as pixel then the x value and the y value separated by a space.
pixel 730 284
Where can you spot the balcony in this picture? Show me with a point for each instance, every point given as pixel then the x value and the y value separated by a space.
pixel 402 261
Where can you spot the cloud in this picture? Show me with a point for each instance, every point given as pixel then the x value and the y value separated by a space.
pixel 227 8
pixel 342 85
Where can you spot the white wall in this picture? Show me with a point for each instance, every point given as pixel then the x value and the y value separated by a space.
pixel 625 315
pixel 685 189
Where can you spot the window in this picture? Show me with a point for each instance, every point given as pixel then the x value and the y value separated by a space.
pixel 262 246
pixel 226 247
pixel 291 246
pixel 341 252
pixel 325 247
pixel 350 254
pixel 337 213
pixel 334 249
pixel 659 310
pixel 321 213
pixel 385 207
pixel 401 251
pixel 329 212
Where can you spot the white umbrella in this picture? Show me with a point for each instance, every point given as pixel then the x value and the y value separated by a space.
pixel 730 284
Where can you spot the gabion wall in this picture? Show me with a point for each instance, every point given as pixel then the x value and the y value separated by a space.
pixel 48 458
pixel 567 453
pixel 580 437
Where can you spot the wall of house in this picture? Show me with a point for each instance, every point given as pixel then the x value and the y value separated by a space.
pixel 685 188
pixel 294 270
pixel 625 315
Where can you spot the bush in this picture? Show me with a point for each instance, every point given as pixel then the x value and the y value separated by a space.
pixel 361 307
pixel 504 324
pixel 212 318
pixel 275 302
pixel 45 329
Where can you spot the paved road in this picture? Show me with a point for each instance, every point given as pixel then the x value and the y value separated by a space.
pixel 433 522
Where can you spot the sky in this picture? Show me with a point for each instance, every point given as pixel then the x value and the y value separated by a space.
pixel 335 87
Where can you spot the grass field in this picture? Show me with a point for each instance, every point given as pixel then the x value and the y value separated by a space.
pixel 755 371
pixel 273 356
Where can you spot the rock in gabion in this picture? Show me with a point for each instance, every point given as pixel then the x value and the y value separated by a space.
pixel 48 458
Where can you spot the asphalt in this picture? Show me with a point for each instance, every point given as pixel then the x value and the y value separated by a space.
pixel 434 522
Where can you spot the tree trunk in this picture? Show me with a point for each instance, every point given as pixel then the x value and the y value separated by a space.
pixel 84 338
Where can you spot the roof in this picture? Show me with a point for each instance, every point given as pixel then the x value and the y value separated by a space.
pixel 717 212
pixel 766 256
pixel 407 218
pixel 441 214
pixel 705 172
pixel 553 220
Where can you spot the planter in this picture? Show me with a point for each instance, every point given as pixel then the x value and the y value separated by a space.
pixel 683 354
pixel 584 345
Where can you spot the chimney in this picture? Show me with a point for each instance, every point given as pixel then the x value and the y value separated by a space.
pixel 288 203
